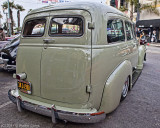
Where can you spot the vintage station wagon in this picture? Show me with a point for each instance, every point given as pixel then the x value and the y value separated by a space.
pixel 76 61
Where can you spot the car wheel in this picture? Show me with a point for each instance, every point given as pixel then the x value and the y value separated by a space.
pixel 125 89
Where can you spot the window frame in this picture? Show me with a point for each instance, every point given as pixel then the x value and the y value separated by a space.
pixel 67 35
pixel 123 30
pixel 41 18
pixel 126 21
pixel 133 30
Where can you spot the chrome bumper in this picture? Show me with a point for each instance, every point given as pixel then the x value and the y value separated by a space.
pixel 5 66
pixel 57 114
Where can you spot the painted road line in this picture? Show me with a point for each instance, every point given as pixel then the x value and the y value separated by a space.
pixel 5 104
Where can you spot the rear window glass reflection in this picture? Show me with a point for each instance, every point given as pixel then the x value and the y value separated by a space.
pixel 68 26
pixel 34 27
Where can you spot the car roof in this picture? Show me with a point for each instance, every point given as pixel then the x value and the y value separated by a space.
pixel 91 7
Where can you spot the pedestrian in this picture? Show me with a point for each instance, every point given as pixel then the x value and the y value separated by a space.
pixel 154 39
pixel 138 34
pixel 2 35
pixel 142 34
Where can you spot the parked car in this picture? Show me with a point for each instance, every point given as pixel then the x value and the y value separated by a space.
pixel 78 75
pixel 8 54
pixel 12 37
pixel 3 44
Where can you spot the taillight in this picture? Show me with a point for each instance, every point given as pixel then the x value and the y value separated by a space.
pixel 98 113
pixel 20 76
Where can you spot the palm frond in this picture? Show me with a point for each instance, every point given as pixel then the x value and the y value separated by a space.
pixel 11 5
pixel 19 7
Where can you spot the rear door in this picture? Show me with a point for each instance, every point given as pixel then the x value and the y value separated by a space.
pixel 30 49
pixel 66 57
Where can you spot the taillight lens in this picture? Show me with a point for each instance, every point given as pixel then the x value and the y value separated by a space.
pixel 18 77
pixel 98 113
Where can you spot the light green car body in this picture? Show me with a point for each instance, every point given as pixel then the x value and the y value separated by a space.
pixel 78 74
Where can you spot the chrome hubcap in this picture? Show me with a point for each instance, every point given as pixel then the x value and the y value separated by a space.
pixel 125 88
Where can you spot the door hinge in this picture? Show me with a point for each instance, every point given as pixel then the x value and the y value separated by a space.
pixel 89 88
pixel 91 25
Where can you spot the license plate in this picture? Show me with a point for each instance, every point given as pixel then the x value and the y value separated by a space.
pixel 24 86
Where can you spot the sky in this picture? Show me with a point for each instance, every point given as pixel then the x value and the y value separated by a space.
pixel 30 4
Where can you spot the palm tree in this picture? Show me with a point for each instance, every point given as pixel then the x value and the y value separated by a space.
pixel 1 16
pixel 19 9
pixel 133 3
pixel 0 20
pixel 151 8
pixel 12 6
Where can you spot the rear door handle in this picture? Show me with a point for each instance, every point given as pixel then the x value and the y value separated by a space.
pixel 49 41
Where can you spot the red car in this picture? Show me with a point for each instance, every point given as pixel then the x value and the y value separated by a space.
pixel 9 38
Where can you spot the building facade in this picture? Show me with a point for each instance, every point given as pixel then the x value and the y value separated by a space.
pixel 150 22
pixel 122 3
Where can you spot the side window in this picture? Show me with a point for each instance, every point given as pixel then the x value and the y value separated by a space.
pixel 115 31
pixel 66 26
pixel 34 28
pixel 129 32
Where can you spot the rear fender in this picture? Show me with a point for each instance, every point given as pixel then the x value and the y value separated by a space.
pixel 113 87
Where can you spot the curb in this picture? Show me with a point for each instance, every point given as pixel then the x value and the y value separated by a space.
pixel 154 45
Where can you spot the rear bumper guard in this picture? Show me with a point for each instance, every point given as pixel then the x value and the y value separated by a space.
pixel 57 114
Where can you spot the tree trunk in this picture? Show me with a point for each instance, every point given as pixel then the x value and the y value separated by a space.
pixel 18 17
pixel 131 16
pixel 12 22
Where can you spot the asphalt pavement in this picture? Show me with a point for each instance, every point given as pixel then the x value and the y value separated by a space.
pixel 141 108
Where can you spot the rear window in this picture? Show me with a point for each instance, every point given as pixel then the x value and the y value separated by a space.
pixel 34 28
pixel 66 26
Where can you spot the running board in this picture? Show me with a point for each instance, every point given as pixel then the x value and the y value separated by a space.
pixel 135 76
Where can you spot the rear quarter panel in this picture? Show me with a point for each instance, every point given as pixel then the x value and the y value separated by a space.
pixel 113 87
pixel 105 59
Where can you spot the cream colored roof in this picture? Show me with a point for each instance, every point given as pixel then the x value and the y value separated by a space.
pixel 89 6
